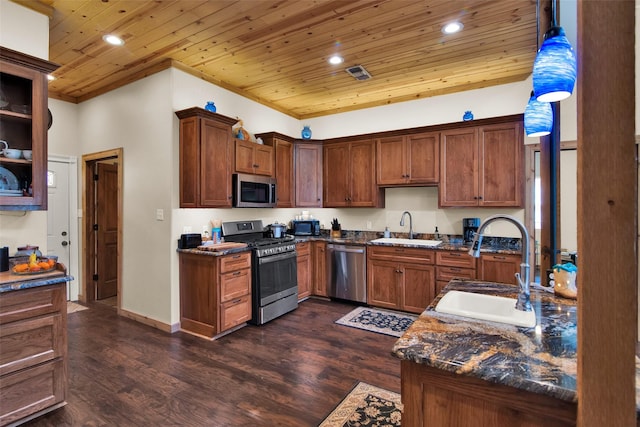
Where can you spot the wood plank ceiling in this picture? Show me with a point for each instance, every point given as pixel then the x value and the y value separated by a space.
pixel 275 51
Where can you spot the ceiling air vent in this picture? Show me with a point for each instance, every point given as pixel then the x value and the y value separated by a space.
pixel 358 72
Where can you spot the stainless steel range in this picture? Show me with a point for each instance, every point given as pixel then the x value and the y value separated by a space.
pixel 274 271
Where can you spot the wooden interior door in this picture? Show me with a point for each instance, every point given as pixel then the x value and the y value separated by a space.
pixel 106 227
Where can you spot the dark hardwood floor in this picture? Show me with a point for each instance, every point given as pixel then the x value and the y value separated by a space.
pixel 290 372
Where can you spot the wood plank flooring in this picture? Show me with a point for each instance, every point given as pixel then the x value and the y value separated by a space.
pixel 290 372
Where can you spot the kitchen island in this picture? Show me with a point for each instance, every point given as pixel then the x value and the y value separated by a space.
pixel 33 343
pixel 461 371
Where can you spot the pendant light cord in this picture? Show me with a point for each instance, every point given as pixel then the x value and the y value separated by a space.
pixel 554 9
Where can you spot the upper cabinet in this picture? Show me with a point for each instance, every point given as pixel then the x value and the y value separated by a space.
pixel 408 160
pixel 206 156
pixel 308 175
pixel 254 158
pixel 482 166
pixel 282 147
pixel 24 121
pixel 349 175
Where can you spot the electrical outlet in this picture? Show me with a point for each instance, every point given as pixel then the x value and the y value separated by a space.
pixel 369 225
pixel 186 229
pixel 160 214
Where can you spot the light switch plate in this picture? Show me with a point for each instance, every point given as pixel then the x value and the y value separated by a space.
pixel 160 214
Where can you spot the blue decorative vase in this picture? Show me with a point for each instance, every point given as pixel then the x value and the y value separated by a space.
pixel 468 115
pixel 306 132
pixel 210 106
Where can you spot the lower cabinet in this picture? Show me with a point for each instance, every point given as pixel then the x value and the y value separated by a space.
pixel 33 351
pixel 215 292
pixel 400 278
pixel 319 273
pixel 304 269
pixel 433 397
pixel 498 267
pixel 453 265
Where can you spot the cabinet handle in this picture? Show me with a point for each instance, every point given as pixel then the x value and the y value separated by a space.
pixel 454 269
pixel 499 257
pixel 398 250
pixel 235 256
pixel 455 254
pixel 236 273
pixel 480 197
pixel 235 301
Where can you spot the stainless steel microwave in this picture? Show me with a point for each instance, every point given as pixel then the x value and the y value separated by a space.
pixel 253 191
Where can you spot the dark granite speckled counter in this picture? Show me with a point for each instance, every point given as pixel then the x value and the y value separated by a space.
pixel 540 359
pixel 214 253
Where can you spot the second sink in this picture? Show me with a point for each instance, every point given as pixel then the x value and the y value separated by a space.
pixel 485 307
pixel 415 242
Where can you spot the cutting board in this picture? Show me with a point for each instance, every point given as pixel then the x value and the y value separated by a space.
pixel 225 246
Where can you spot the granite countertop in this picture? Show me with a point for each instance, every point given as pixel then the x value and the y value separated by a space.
pixel 542 359
pixel 197 251
pixel 13 282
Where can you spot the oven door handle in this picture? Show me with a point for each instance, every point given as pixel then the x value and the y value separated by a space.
pixel 278 257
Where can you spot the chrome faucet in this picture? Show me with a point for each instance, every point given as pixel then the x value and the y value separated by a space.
pixel 410 223
pixel 524 298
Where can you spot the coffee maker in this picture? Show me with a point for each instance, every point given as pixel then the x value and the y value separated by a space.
pixel 469 229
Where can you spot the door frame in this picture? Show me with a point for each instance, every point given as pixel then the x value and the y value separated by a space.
pixel 88 204
pixel 74 232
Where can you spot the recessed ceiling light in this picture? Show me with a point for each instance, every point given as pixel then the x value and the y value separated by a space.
pixel 114 40
pixel 335 60
pixel 452 27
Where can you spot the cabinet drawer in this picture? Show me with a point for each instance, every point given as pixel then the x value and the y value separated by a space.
pixel 235 262
pixel 31 390
pixel 399 253
pixel 29 303
pixel 303 248
pixel 235 284
pixel 455 259
pixel 449 273
pixel 29 342
pixel 235 312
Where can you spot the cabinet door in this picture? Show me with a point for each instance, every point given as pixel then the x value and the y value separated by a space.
pixel 423 161
pixel 498 268
pixel 392 164
pixel 284 173
pixel 364 191
pixel 244 161
pixel 383 284
pixel 501 169
pixel 458 168
pixel 419 287
pixel 263 159
pixel 319 253
pixel 215 158
pixel 304 276
pixel 308 171
pixel 336 175
pixel 24 179
pixel 189 162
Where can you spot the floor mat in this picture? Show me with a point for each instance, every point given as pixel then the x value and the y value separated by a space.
pixel 366 405
pixel 386 322
pixel 73 307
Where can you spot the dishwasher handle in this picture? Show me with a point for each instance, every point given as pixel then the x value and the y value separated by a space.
pixel 345 248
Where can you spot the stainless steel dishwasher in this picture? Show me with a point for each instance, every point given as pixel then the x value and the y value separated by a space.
pixel 347 272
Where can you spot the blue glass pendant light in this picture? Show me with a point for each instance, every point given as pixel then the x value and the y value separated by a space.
pixel 538 118
pixel 554 69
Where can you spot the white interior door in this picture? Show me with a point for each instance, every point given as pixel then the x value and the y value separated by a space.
pixel 58 218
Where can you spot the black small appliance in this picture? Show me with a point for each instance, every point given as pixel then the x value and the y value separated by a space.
pixel 469 229
pixel 305 227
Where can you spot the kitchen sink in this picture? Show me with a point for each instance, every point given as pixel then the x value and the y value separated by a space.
pixel 415 242
pixel 485 307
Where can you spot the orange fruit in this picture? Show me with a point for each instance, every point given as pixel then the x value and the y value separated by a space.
pixel 52 262
pixel 19 268
pixel 35 268
pixel 44 265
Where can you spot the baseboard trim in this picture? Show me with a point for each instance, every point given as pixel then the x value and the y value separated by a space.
pixel 165 327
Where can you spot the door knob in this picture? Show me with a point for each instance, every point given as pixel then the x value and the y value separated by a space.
pixel 65 243
pixel 64 233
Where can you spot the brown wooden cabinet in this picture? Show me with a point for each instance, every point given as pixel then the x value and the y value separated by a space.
pixel 453 265
pixel 206 154
pixel 482 166
pixel 33 351
pixel 349 175
pixel 500 268
pixel 23 125
pixel 251 157
pixel 400 278
pixel 408 159
pixel 284 173
pixel 215 292
pixel 433 397
pixel 319 276
pixel 304 269
pixel 308 175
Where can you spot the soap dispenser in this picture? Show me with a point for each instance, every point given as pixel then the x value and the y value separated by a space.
pixel 387 233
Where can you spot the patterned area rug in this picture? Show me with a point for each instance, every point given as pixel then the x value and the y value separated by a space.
pixel 376 320
pixel 73 307
pixel 366 405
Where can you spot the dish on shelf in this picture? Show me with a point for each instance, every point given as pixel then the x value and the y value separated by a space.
pixel 21 108
pixel 8 180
